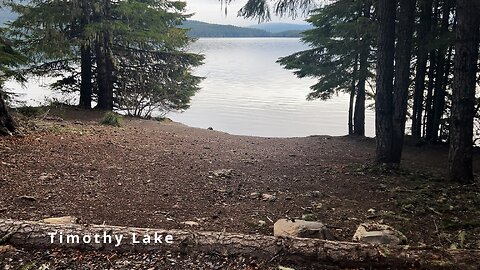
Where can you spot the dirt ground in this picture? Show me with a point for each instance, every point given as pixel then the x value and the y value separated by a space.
pixel 162 174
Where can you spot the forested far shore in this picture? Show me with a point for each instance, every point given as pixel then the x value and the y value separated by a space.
pixel 199 29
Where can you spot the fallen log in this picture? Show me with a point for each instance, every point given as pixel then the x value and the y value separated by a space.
pixel 32 234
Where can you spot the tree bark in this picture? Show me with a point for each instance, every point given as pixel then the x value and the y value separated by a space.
pixel 105 66
pixel 317 252
pixel 448 70
pixel 385 65
pixel 421 69
pixel 431 76
pixel 353 89
pixel 464 84
pixel 359 118
pixel 429 101
pixel 439 94
pixel 86 74
pixel 7 124
pixel 402 75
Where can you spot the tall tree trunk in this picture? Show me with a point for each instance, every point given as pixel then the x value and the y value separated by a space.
pixel 403 51
pixel 464 84
pixel 86 86
pixel 7 124
pixel 86 74
pixel 439 94
pixel 351 127
pixel 385 66
pixel 421 69
pixel 428 103
pixel 105 64
pixel 359 118
pixel 448 70
pixel 431 75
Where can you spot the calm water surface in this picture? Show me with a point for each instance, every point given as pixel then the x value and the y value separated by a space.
pixel 247 93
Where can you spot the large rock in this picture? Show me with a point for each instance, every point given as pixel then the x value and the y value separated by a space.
pixel 379 234
pixel 301 228
pixel 61 220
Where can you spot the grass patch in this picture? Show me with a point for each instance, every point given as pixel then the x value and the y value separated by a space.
pixel 112 119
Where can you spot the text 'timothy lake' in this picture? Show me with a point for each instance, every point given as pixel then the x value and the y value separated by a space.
pixel 247 93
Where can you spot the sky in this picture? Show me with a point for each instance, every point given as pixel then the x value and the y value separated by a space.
pixel 211 11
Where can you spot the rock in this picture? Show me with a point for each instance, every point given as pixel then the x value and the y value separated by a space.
pixel 262 223
pixel 255 195
pixel 210 128
pixel 301 228
pixel 191 223
pixel 379 234
pixel 284 268
pixel 223 173
pixel 61 220
pixel 268 197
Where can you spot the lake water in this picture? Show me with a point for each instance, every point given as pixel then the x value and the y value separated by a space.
pixel 247 93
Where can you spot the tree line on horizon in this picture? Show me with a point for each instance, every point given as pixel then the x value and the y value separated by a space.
pixel 197 29
pixel 418 59
pixel 127 55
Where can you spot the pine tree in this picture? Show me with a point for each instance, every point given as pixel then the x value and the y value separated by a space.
pixel 402 75
pixel 340 55
pixel 423 33
pixel 465 75
pixel 385 72
pixel 8 58
pixel 95 35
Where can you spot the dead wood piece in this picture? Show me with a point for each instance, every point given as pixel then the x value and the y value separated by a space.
pixel 32 234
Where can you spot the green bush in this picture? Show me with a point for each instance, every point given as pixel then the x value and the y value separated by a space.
pixel 112 119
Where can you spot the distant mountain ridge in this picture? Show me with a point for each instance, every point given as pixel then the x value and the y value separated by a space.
pixel 202 29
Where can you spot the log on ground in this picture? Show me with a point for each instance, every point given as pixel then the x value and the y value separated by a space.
pixel 38 235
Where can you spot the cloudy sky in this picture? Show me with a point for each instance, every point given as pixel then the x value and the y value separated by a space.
pixel 212 12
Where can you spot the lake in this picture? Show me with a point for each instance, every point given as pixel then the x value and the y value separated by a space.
pixel 247 93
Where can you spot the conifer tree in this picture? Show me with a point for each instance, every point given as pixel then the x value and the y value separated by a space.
pixel 8 58
pixel 95 35
pixel 465 75
pixel 340 56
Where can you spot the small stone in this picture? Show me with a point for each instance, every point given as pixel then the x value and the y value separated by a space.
pixel 61 220
pixel 262 223
pixel 210 128
pixel 255 195
pixel 380 234
pixel 268 197
pixel 301 228
pixel 223 173
pixel 191 223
